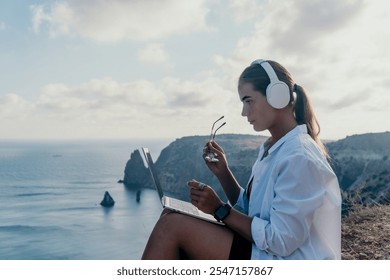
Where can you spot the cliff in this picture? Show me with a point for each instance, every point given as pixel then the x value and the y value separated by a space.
pixel 362 165
pixel 136 174
pixel 361 162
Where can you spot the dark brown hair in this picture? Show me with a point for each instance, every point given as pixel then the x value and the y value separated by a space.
pixel 303 109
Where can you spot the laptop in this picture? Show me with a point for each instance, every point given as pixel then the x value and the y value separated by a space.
pixel 174 204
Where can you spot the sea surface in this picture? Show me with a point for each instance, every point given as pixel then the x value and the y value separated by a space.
pixel 50 194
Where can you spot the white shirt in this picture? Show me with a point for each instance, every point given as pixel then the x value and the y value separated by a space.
pixel 295 202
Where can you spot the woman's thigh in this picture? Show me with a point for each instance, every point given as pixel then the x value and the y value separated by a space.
pixel 197 238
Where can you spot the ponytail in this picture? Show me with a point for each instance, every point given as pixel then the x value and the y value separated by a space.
pixel 304 114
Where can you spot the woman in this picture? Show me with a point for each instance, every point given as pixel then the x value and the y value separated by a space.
pixel 291 207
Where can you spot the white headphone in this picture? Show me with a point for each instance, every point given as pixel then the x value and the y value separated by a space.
pixel 277 92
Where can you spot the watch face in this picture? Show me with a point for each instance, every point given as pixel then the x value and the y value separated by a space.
pixel 222 212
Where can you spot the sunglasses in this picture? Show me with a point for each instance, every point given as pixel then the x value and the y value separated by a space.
pixel 210 156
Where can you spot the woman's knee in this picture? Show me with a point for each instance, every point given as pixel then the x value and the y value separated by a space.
pixel 166 211
pixel 169 220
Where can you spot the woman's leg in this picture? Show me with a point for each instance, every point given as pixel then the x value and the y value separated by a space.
pixel 175 234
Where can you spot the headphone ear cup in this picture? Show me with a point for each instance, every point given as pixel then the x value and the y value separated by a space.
pixel 277 92
pixel 278 95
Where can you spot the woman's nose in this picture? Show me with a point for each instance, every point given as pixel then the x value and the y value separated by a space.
pixel 244 112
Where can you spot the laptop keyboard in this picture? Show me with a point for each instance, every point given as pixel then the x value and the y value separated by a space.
pixel 183 206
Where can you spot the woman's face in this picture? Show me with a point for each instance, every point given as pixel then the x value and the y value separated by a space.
pixel 256 108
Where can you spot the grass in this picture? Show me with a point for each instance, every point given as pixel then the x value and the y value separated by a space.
pixel 366 233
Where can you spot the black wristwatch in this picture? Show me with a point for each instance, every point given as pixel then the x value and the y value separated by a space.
pixel 222 212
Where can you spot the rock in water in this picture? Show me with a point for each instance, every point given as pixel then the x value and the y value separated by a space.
pixel 107 201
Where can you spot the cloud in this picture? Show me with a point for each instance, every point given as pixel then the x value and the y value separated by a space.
pixel 344 101
pixel 2 25
pixel 14 106
pixel 155 54
pixel 60 18
pixel 117 20
pixel 99 105
pixel 298 30
pixel 302 25
pixel 245 10
pixel 104 98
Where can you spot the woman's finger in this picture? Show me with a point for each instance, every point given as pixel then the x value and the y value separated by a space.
pixel 196 185
pixel 214 145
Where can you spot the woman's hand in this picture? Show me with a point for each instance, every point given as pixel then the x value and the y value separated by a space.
pixel 219 167
pixel 204 197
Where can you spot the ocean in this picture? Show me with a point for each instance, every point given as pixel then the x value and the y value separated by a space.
pixel 50 194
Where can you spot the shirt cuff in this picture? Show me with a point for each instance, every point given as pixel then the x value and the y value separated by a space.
pixel 258 227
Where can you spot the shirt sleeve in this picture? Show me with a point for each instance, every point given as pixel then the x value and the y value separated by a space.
pixel 298 192
pixel 242 202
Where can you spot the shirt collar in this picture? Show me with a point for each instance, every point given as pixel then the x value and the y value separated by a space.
pixel 299 129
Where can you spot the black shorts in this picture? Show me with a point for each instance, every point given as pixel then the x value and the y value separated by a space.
pixel 241 248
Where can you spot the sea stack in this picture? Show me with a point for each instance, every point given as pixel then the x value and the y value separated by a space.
pixel 107 201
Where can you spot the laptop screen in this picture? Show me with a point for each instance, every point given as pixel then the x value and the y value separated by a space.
pixel 149 162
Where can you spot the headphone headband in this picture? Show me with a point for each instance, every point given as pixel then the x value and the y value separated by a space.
pixel 268 69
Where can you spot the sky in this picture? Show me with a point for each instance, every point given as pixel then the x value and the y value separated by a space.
pixel 136 69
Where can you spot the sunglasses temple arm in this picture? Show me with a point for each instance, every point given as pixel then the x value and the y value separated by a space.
pixel 218 129
pixel 212 128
